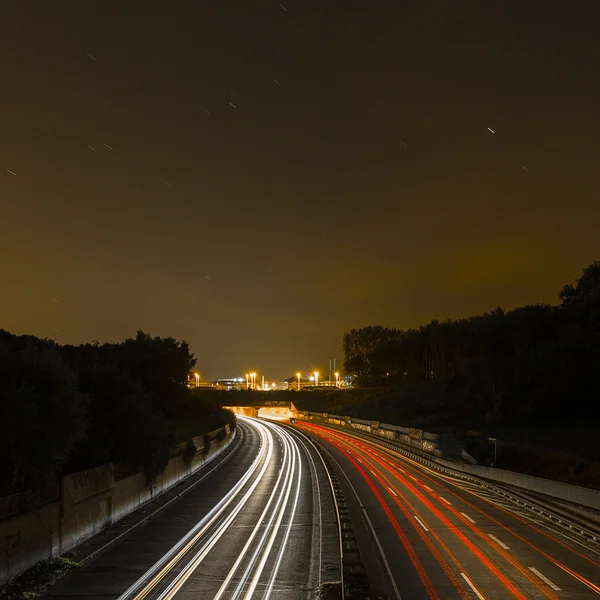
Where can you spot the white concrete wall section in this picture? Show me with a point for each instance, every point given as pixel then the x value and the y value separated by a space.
pixel 555 489
pixel 430 444
pixel 90 501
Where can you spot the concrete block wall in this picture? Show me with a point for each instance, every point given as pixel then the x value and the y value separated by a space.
pixel 90 500
pixel 430 444
pixel 27 538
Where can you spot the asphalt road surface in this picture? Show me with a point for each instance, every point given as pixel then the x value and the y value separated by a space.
pixel 260 526
pixel 425 535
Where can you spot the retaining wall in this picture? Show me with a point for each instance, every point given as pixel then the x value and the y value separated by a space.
pixel 89 501
pixel 429 443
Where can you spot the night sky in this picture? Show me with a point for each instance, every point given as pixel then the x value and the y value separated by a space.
pixel 258 178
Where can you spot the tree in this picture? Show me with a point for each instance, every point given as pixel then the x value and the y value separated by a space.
pixel 42 414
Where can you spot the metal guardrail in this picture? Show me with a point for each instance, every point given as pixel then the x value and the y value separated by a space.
pixel 16 503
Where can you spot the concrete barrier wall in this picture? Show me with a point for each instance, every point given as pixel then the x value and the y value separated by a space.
pixel 27 538
pixel 430 444
pixel 90 500
pixel 555 489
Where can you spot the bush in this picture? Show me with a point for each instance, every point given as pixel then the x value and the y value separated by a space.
pixel 189 452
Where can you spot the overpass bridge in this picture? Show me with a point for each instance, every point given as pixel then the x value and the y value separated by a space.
pixel 269 409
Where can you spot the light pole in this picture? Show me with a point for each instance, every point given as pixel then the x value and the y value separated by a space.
pixel 495 451
pixel 298 375
pixel 247 381
pixel 253 377
pixel 337 379
pixel 197 376
pixel 316 374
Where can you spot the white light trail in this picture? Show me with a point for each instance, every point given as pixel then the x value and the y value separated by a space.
pixel 158 571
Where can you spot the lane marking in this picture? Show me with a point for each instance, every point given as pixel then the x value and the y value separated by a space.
pixel 470 584
pixel 373 472
pixel 421 523
pixel 427 488
pixel 544 579
pixel 467 517
pixel 501 544
pixel 413 477
pixel 446 501
pixel 393 492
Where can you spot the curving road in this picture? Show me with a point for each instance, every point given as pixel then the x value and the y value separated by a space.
pixel 426 535
pixel 258 527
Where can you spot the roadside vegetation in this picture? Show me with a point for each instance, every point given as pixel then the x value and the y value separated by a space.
pixel 529 376
pixel 68 408
pixel 34 582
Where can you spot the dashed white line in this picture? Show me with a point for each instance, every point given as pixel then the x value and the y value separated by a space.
pixel 446 501
pixel 544 579
pixel 413 477
pixel 427 488
pixel 470 584
pixel 421 523
pixel 467 517
pixel 501 544
pixel 393 492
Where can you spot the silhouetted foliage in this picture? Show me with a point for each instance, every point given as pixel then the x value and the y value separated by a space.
pixel 42 414
pixel 68 408
pixel 534 362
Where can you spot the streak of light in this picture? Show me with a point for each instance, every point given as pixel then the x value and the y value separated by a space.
pixel 168 184
pixel 259 523
pixel 467 517
pixel 11 172
pixel 271 541
pixel 277 83
pixel 580 578
pixel 451 527
pixel 207 112
pixel 232 104
pixel 524 168
pixel 490 129
pixel 107 146
pixel 283 546
pixel 157 572
pixel 283 7
pixel 88 54
pixel 92 148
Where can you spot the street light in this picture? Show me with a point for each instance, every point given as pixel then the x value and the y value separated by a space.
pixel 316 374
pixel 197 376
pixel 298 375
pixel 253 377
pixel 247 381
pixel 337 379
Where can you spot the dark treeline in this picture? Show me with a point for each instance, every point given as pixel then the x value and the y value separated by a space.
pixel 538 362
pixel 67 408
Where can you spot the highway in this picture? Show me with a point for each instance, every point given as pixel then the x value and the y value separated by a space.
pixel 260 526
pixel 426 535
